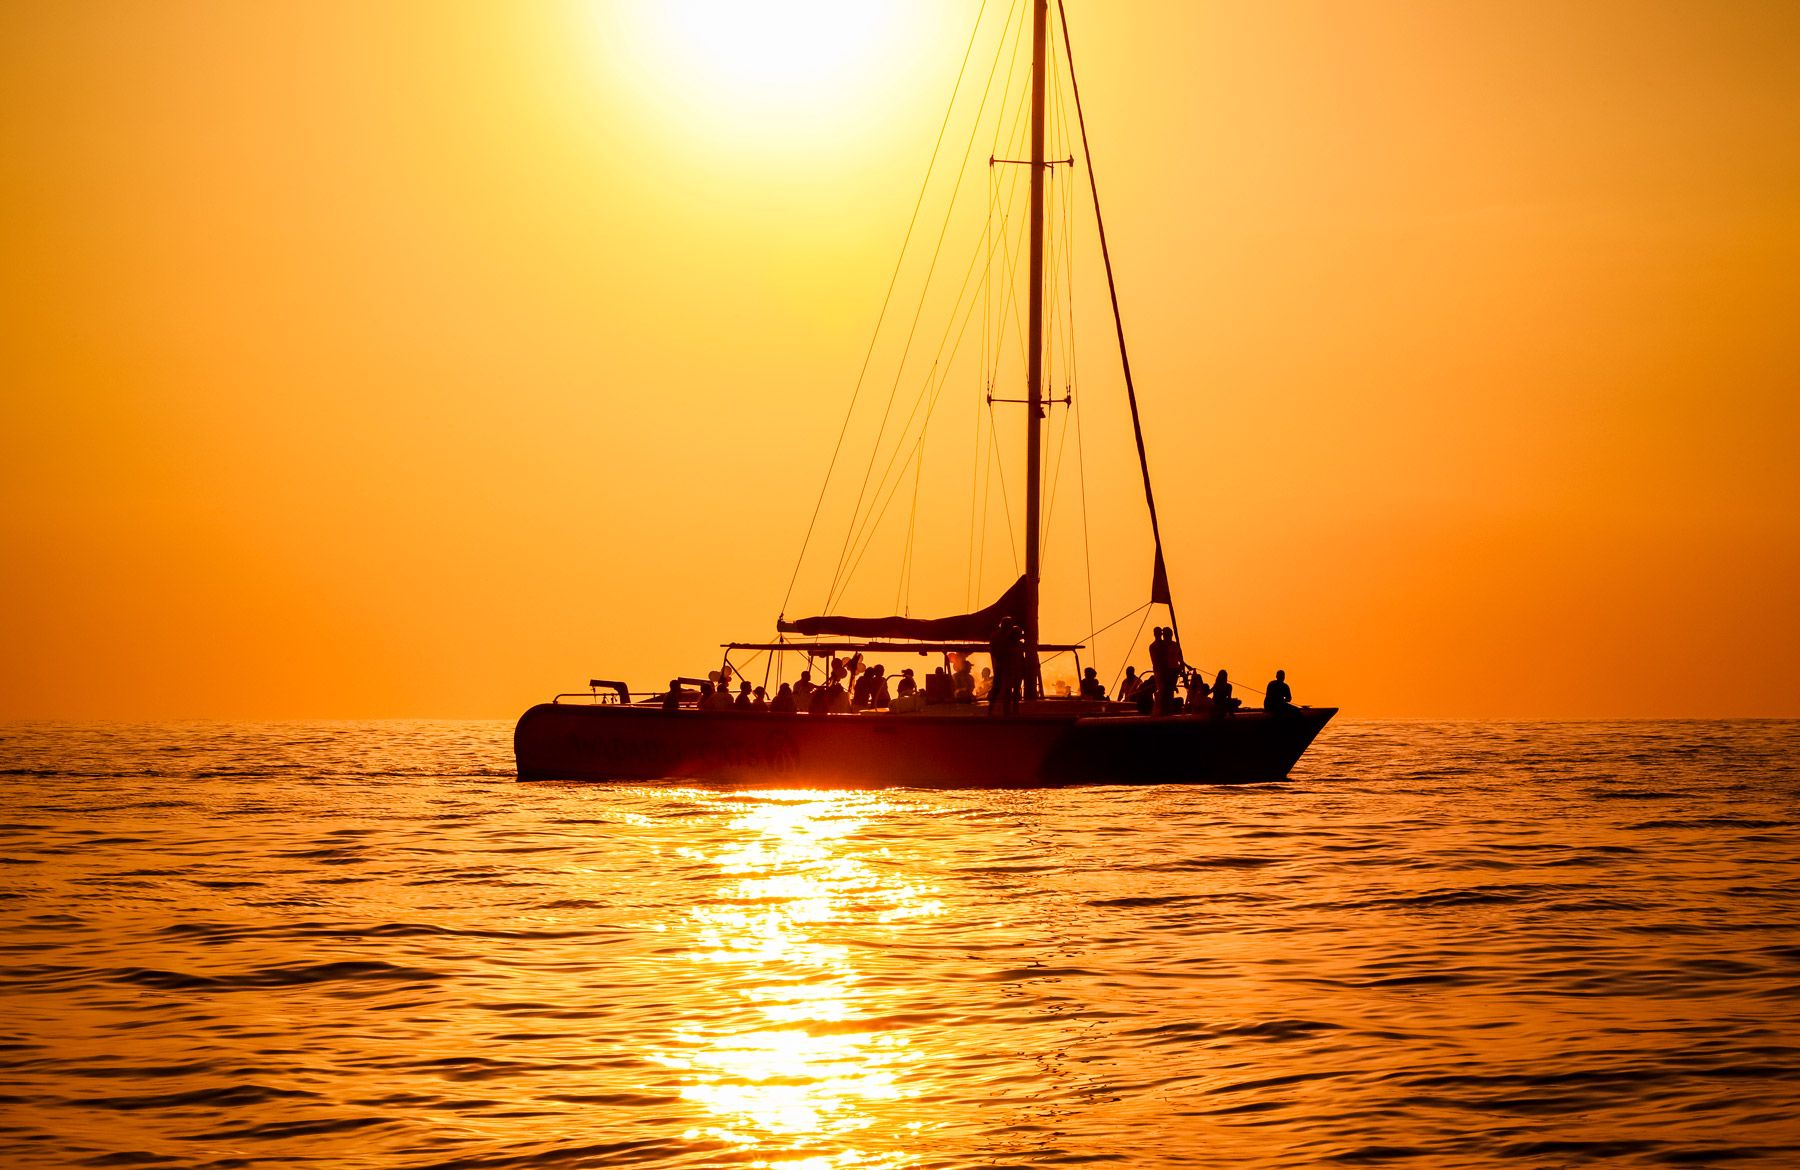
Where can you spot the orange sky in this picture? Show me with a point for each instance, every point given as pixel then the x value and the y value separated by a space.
pixel 427 359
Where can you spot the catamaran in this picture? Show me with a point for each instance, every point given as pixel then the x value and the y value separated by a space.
pixel 611 732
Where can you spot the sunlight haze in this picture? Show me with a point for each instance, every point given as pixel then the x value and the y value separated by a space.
pixel 414 359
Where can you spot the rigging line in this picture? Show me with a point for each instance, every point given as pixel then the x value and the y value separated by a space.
pixel 940 372
pixel 1092 634
pixel 980 551
pixel 1012 538
pixel 1126 662
pixel 918 311
pixel 912 527
pixel 990 370
pixel 1009 293
pixel 861 528
pixel 986 387
pixel 1112 289
pixel 1062 447
pixel 1087 546
pixel 1008 297
pixel 943 379
pixel 880 317
pixel 1010 265
pixel 974 508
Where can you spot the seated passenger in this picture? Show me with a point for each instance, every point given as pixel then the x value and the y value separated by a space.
pixel 784 702
pixel 963 682
pixel 878 689
pixel 906 686
pixel 1199 695
pixel 1091 687
pixel 820 703
pixel 743 697
pixel 984 686
pixel 759 701
pixel 671 700
pixel 1145 698
pixel 706 697
pixel 862 691
pixel 1128 686
pixel 837 699
pixel 1278 697
pixel 938 688
pixel 1223 703
pixel 804 688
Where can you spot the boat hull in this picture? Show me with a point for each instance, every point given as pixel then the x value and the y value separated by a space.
pixel 566 741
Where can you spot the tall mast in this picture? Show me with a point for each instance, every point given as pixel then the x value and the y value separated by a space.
pixel 1034 407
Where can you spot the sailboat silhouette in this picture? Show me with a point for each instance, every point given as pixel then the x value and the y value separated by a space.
pixel 939 738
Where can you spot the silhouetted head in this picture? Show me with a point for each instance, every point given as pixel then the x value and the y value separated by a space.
pixel 760 693
pixel 880 670
pixel 785 690
pixel 1220 677
pixel 1281 676
pixel 1088 673
pixel 744 687
pixel 805 676
pixel 907 671
pixel 1131 672
pixel 705 689
pixel 674 684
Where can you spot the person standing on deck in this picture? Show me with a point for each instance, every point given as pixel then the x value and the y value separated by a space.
pixel 1005 648
pixel 1165 664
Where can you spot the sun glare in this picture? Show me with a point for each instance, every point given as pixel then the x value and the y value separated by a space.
pixel 786 65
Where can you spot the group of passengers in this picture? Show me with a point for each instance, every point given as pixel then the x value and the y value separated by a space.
pixel 851 686
pixel 1154 693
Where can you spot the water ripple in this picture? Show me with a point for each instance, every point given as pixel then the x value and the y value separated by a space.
pixel 364 945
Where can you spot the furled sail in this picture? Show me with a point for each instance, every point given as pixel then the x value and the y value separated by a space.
pixel 964 627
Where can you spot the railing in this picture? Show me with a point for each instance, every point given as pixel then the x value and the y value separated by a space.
pixel 614 692
pixel 610 692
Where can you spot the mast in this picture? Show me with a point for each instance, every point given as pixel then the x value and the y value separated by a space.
pixel 1034 406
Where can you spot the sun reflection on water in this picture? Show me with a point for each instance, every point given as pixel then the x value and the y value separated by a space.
pixel 815 1057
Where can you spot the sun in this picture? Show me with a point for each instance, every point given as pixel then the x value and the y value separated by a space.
pixel 789 65
pixel 784 51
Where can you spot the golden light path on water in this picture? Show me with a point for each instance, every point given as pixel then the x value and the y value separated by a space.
pixel 815 1054
pixel 369 947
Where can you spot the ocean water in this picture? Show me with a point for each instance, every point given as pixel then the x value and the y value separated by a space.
pixel 1438 945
